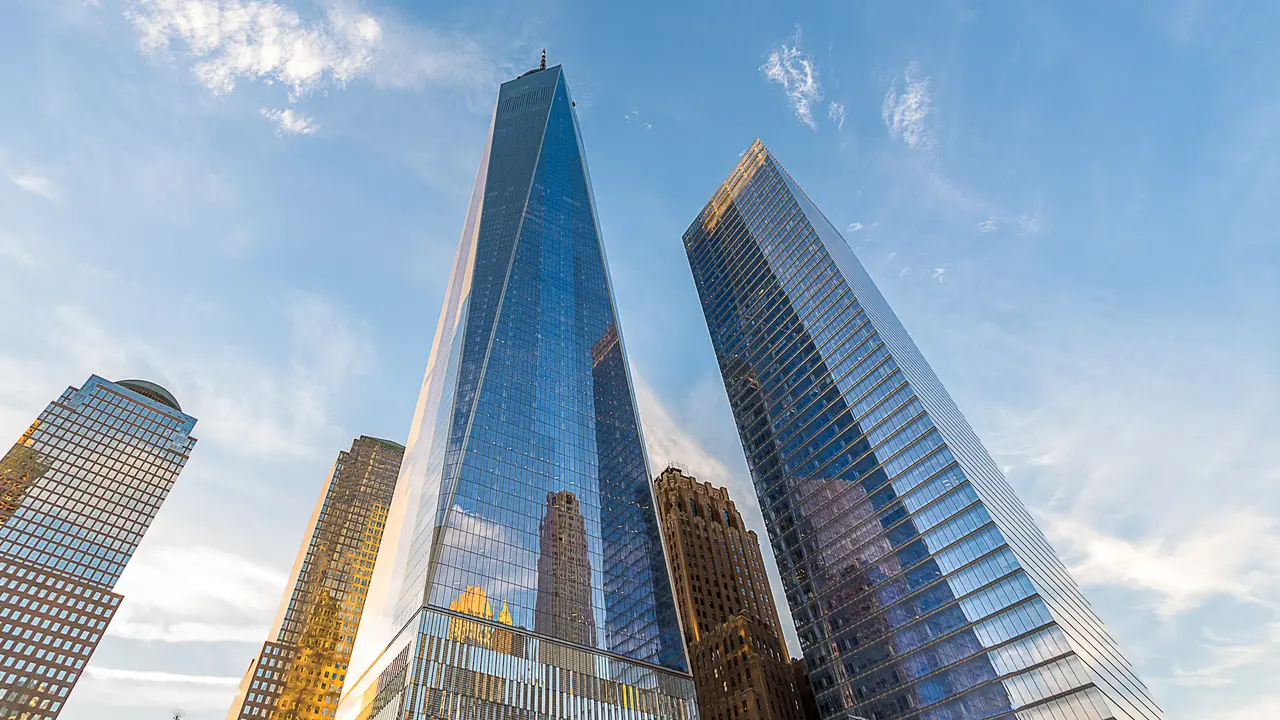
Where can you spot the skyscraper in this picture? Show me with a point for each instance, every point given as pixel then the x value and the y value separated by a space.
pixel 920 586
pixel 301 669
pixel 77 493
pixel 526 397
pixel 736 651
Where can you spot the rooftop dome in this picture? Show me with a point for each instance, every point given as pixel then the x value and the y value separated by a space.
pixel 152 391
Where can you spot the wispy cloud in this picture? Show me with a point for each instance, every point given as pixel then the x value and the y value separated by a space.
pixel 907 107
pixel 1223 658
pixel 196 594
pixel 939 274
pixel 290 122
pixel 36 184
pixel 1232 557
pixel 16 252
pixel 835 111
pixel 1026 224
pixel 855 227
pixel 147 693
pixel 148 676
pixel 234 41
pixel 794 69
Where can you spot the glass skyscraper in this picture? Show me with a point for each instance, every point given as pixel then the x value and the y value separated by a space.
pixel 77 493
pixel 301 669
pixel 920 586
pixel 525 494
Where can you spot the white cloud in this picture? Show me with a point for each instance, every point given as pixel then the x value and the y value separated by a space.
pixel 855 227
pixel 905 271
pixel 939 274
pixel 1267 706
pixel 1222 659
pixel 989 225
pixel 36 184
pixel 146 676
pixel 196 594
pixel 1234 556
pixel 289 122
pixel 147 693
pixel 232 41
pixel 907 108
pixel 239 39
pixel 835 111
pixel 793 68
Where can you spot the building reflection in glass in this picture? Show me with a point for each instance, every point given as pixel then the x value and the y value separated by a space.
pixel 920 586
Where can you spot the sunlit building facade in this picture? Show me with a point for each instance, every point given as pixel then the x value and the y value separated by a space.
pixel 525 480
pixel 77 493
pixel 920 586
pixel 300 671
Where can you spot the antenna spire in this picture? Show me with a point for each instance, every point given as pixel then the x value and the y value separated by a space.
pixel 543 66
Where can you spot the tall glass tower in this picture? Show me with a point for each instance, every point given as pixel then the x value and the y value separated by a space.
pixel 920 586
pixel 525 494
pixel 77 493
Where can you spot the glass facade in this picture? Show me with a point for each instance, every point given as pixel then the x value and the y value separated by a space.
pixel 77 493
pixel 920 586
pixel 300 672
pixel 525 481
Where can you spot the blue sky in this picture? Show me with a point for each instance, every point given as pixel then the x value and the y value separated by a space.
pixel 1072 207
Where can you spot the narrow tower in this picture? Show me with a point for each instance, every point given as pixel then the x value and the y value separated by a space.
pixel 525 508
pixel 920 586
pixel 736 651
pixel 77 493
pixel 302 667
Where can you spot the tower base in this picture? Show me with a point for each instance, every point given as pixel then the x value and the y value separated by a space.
pixel 452 666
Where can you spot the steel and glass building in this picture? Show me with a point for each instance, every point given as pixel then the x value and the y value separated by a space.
pixel 301 669
pixel 524 573
pixel 920 586
pixel 77 493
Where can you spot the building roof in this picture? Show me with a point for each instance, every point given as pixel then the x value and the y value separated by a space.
pixel 152 391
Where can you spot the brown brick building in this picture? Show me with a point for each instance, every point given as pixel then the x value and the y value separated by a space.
pixel 736 653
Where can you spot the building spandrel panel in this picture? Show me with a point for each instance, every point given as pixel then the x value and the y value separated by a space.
pixel 920 586
pixel 525 510
pixel 77 493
